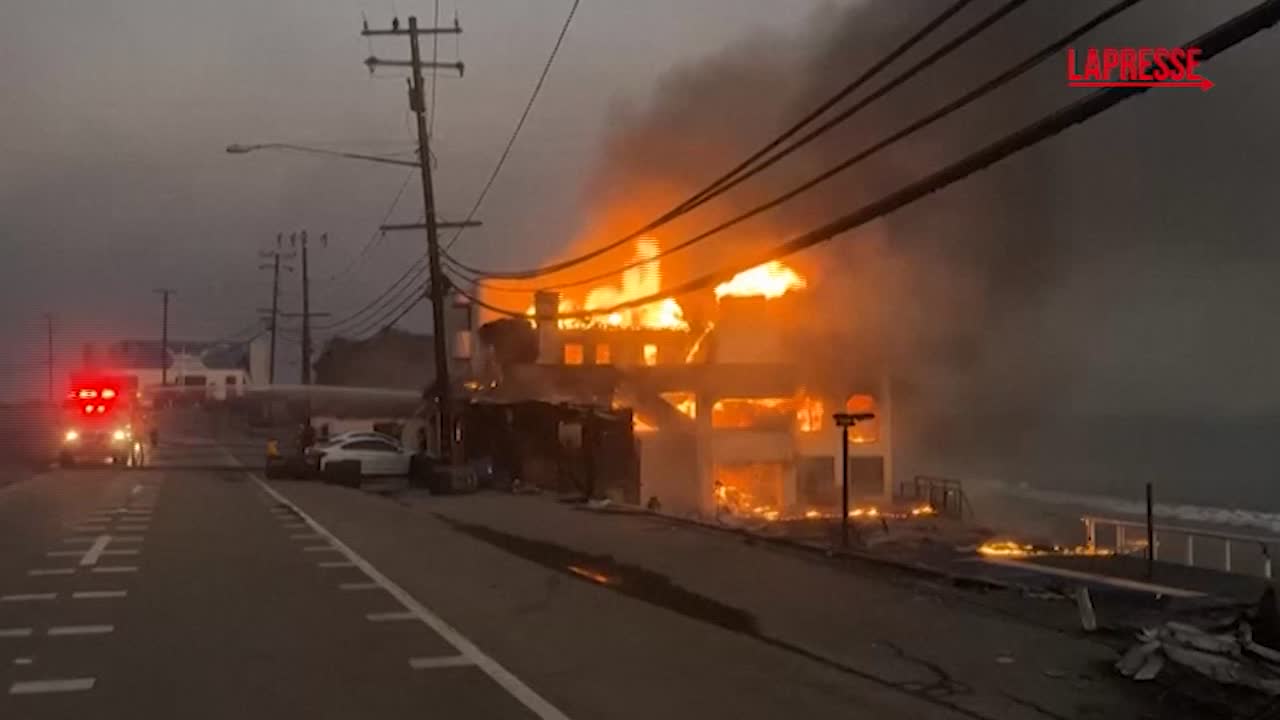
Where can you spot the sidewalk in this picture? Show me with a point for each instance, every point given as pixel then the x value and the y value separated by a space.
pixel 904 631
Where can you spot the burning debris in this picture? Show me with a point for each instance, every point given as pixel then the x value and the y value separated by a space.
pixel 770 280
pixel 1013 549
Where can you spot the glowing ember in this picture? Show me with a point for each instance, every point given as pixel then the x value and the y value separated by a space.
pixel 770 280
pixel 1010 548
pixel 590 574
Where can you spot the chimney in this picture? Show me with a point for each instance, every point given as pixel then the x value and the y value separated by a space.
pixel 546 310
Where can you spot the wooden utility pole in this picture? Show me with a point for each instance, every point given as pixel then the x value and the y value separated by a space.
pixel 295 239
pixel 275 299
pixel 436 287
pixel 164 336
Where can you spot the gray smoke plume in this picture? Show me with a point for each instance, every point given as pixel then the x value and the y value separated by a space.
pixel 1118 269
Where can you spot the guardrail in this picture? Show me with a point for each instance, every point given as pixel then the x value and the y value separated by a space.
pixel 1263 543
pixel 945 495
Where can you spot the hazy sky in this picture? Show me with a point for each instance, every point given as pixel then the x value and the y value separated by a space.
pixel 113 178
pixel 1145 282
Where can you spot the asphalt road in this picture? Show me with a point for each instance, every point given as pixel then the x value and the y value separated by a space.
pixel 193 589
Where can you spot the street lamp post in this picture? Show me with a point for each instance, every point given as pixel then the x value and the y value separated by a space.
pixel 242 149
pixel 845 421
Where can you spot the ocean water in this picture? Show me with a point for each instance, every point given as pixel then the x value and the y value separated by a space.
pixel 1214 472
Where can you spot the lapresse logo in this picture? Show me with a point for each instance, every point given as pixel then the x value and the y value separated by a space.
pixel 1135 67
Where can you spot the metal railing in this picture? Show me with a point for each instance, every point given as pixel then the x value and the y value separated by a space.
pixel 945 495
pixel 1188 556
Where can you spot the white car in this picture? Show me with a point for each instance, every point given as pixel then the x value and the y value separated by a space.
pixel 357 434
pixel 376 455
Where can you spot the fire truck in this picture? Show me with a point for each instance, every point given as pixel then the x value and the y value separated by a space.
pixel 100 421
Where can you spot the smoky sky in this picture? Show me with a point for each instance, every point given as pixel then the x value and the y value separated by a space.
pixel 1122 267
pixel 113 179
pixel 1125 266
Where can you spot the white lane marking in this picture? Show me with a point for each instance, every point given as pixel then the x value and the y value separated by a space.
pixel 431 663
pixel 98 594
pixel 36 687
pixel 320 548
pixel 64 553
pixel 22 661
pixel 125 551
pixel 15 632
pixel 132 528
pixel 51 571
pixel 79 539
pixel 512 684
pixel 115 569
pixel 336 564
pixel 92 555
pixel 28 597
pixel 91 528
pixel 390 616
pixel 360 586
pixel 126 538
pixel 62 630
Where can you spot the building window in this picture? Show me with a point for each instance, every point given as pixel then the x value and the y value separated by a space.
pixel 573 353
pixel 603 356
pixel 231 379
pixel 650 354
pixel 866 431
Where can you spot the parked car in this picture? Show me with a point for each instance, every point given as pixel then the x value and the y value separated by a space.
pixel 358 435
pixel 377 455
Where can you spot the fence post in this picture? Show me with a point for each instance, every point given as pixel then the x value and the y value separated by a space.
pixel 1090 536
pixel 1191 550
pixel 1120 539
pixel 1227 554
pixel 1151 536
pixel 1266 560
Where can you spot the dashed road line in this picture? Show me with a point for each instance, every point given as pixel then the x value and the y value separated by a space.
pixel 41 572
pixel 28 597
pixel 36 687
pixel 132 528
pixel 390 616
pixel 64 553
pixel 431 663
pixel 360 586
pixel 92 555
pixel 98 594
pixel 320 548
pixel 115 569
pixel 15 632
pixel 500 675
pixel 63 630
pixel 336 564
pixel 22 661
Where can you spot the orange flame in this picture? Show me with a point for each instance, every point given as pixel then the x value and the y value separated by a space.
pixel 770 280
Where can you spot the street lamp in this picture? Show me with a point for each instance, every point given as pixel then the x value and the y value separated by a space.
pixel 242 149
pixel 844 421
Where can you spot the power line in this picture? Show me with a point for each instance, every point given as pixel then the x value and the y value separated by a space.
pixel 502 159
pixel 1234 31
pixel 720 185
pixel 377 233
pixel 996 82
pixel 466 271
pixel 377 302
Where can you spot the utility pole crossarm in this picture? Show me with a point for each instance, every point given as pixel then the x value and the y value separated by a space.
pixel 373 62
pixel 422 225
pixel 455 30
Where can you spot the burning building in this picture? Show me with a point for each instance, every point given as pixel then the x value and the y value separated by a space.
pixel 731 414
